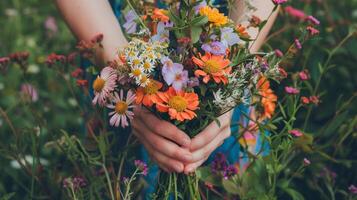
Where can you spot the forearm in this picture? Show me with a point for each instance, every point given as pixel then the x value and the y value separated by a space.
pixel 87 18
pixel 263 11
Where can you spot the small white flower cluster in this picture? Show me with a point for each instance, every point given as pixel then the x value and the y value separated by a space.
pixel 142 57
pixel 232 94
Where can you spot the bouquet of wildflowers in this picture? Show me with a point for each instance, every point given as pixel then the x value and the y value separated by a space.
pixel 188 65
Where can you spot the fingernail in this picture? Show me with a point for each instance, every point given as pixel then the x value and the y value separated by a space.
pixel 178 168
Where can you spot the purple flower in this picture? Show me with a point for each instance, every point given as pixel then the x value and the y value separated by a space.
pixel 29 92
pixel 177 77
pixel 291 90
pixel 228 37
pixel 51 25
pixel 353 189
pixel 199 6
pixel 230 171
pixel 297 44
pixel 130 24
pixel 219 163
pixel 216 48
pixel 141 166
pixel 313 20
pixel 307 162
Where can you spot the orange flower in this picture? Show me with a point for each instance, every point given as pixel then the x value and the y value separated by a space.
pixel 180 105
pixel 214 15
pixel 268 97
pixel 160 15
pixel 212 66
pixel 148 95
pixel 242 31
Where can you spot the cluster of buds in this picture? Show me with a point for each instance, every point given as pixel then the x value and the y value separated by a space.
pixel 87 49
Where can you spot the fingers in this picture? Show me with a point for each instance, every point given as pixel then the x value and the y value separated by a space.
pixel 210 132
pixel 164 162
pixel 205 151
pixel 192 166
pixel 164 128
pixel 163 145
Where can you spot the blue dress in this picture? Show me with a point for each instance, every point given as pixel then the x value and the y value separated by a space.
pixel 235 152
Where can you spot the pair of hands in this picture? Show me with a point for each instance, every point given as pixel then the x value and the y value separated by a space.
pixel 171 148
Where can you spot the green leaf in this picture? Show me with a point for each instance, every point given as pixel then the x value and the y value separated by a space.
pixel 333 126
pixel 195 33
pixel 230 186
pixel 199 21
pixel 295 195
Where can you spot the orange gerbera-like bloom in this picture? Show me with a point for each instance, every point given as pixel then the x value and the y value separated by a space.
pixel 160 15
pixel 242 31
pixel 214 15
pixel 212 66
pixel 180 105
pixel 148 95
pixel 268 97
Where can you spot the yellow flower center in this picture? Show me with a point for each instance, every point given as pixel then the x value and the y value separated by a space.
pixel 178 103
pixel 98 84
pixel 136 72
pixel 136 62
pixel 212 66
pixel 151 88
pixel 121 107
pixel 147 65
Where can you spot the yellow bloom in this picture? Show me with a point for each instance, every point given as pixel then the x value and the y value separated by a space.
pixel 214 16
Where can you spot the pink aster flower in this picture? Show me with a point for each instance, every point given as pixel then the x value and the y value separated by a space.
pixel 299 14
pixel 103 85
pixel 142 166
pixel 296 133
pixel 291 90
pixel 177 77
pixel 122 109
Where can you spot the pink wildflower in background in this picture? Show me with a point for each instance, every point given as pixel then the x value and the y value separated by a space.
pixel 51 24
pixel 279 53
pixel 296 133
pixel 305 100
pixel 103 85
pixel 291 90
pixel 304 75
pixel 313 31
pixel 299 14
pixel 297 44
pixel 353 189
pixel 313 20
